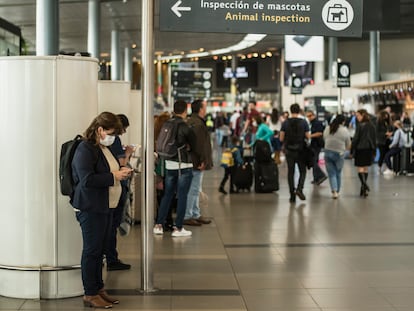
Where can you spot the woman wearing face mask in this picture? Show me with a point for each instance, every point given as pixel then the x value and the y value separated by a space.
pixel 97 175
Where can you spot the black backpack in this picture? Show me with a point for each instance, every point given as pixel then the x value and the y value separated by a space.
pixel 67 151
pixel 167 144
pixel 294 135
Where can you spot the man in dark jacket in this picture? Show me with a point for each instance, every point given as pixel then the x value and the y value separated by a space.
pixel 179 173
pixel 202 160
pixel 293 134
pixel 316 129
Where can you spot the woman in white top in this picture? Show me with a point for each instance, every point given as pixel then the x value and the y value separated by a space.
pixel 337 141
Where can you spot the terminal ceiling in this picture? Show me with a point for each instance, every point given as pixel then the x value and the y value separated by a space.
pixel 125 15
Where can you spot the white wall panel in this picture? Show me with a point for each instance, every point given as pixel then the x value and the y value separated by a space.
pixel 44 101
pixel 113 96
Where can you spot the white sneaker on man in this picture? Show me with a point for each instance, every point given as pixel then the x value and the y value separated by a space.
pixel 388 172
pixel 158 230
pixel 180 233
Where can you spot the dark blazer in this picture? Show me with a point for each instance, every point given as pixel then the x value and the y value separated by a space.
pixel 92 175
pixel 365 137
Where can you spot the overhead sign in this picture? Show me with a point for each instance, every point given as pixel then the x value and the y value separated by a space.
pixel 191 84
pixel 304 48
pixel 296 85
pixel 343 75
pixel 334 18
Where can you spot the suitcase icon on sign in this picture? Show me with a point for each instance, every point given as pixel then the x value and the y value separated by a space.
pixel 337 14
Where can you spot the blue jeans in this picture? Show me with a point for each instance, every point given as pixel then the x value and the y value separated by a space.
pixel 334 163
pixel 111 252
pixel 95 229
pixel 193 204
pixel 392 153
pixel 175 183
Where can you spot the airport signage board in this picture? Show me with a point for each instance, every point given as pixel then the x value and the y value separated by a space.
pixel 296 85
pixel 343 75
pixel 334 18
pixel 190 84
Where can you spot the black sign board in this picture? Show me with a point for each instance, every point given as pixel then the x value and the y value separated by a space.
pixel 334 18
pixel 191 84
pixel 296 85
pixel 343 75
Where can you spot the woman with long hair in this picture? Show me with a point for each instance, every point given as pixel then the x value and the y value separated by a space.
pixel 337 141
pixel 383 133
pixel 364 148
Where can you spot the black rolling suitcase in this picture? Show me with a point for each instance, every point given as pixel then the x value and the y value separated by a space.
pixel 266 177
pixel 243 177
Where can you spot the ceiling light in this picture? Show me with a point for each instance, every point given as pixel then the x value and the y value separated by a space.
pixel 269 54
pixel 255 54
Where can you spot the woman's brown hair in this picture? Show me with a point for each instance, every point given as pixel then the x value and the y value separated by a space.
pixel 159 122
pixel 364 114
pixel 106 120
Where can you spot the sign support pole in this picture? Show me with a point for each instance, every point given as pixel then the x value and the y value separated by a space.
pixel 339 100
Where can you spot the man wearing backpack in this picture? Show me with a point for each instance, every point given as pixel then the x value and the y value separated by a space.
pixel 178 171
pixel 293 135
pixel 202 161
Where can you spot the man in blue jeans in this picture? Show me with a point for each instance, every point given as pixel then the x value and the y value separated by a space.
pixel 178 174
pixel 202 160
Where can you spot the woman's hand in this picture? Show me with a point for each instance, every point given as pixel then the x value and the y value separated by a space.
pixel 123 173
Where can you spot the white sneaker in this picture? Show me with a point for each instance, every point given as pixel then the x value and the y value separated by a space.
pixel 335 195
pixel 181 233
pixel 158 230
pixel 388 172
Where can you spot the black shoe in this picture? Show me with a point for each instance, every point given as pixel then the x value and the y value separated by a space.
pixel 118 265
pixel 321 180
pixel 292 198
pixel 300 194
pixel 221 189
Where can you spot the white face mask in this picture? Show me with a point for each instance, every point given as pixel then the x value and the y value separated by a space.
pixel 108 140
pixel 254 123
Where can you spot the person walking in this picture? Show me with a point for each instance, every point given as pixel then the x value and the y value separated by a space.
pixel 383 135
pixel 337 141
pixel 293 135
pixel 97 175
pixel 178 174
pixel 363 148
pixel 316 144
pixel 202 160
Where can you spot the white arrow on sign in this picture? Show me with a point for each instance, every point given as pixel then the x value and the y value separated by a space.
pixel 176 8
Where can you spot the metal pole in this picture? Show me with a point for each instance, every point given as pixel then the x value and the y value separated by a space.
pixel 147 210
pixel 47 27
pixel 94 22
pixel 127 64
pixel 115 56
pixel 374 56
pixel 339 100
pixel 333 55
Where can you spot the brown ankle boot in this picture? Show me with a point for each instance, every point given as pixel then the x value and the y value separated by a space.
pixel 96 301
pixel 104 295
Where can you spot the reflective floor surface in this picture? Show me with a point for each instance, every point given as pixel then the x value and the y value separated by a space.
pixel 262 253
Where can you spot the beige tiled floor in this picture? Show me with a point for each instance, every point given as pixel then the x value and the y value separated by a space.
pixel 262 253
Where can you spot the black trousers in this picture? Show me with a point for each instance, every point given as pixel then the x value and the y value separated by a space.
pixel 292 159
